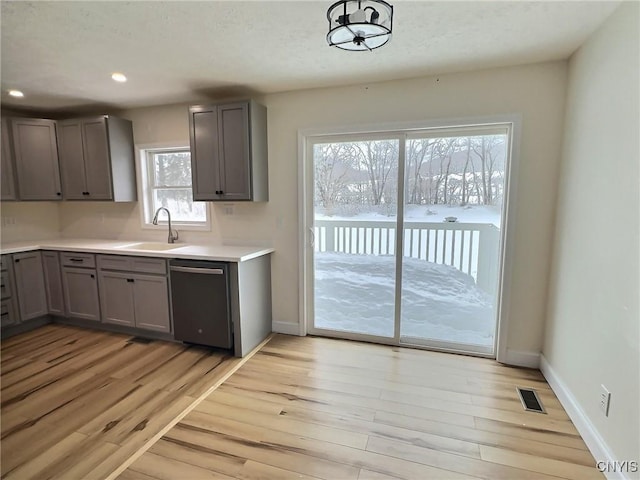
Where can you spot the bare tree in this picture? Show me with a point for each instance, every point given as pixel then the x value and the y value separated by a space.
pixel 379 158
pixel 417 151
pixel 332 162
pixel 490 151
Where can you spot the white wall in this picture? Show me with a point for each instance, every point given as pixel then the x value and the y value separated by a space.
pixel 535 91
pixel 29 220
pixel 592 333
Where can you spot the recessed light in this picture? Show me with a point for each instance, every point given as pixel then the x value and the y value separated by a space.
pixel 16 93
pixel 119 77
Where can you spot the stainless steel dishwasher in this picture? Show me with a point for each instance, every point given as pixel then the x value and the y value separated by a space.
pixel 200 302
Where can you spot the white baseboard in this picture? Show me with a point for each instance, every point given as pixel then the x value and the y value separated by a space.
pixel 596 444
pixel 288 328
pixel 522 359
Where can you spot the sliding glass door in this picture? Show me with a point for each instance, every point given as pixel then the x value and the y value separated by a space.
pixel 405 236
pixel 454 186
pixel 354 236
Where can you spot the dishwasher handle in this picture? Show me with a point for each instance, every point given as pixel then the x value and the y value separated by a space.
pixel 204 271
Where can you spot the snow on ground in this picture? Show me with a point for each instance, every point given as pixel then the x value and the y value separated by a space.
pixel 420 213
pixel 356 293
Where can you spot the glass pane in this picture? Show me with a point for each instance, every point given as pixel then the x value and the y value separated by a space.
pixel 181 205
pixel 453 205
pixel 172 169
pixel 355 206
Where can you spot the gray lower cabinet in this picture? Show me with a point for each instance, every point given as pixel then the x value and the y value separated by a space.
pixel 30 289
pixel 151 301
pixel 229 151
pixel 53 282
pixel 7 175
pixel 36 159
pixel 116 298
pixel 8 312
pixel 131 298
pixel 80 286
pixel 97 159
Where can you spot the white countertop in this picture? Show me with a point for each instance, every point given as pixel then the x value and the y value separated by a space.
pixel 222 253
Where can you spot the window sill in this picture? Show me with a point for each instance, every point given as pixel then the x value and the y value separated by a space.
pixel 177 226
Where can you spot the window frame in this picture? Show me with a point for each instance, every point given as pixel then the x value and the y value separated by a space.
pixel 146 189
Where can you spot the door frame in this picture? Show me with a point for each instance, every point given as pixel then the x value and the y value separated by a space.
pixel 507 232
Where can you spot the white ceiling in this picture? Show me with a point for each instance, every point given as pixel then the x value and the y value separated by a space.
pixel 61 54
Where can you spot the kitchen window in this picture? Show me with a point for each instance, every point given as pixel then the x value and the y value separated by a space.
pixel 166 182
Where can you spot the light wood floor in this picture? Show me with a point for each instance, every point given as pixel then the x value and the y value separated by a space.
pixel 77 403
pixel 322 408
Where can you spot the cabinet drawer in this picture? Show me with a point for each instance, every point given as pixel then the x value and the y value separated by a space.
pixel 133 264
pixel 78 259
pixel 115 262
pixel 150 265
pixel 5 287
pixel 7 314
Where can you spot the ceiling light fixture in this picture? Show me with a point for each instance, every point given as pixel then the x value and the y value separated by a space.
pixel 16 93
pixel 119 77
pixel 359 25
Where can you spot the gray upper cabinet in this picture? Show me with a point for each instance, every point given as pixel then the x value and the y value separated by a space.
pixel 36 159
pixel 7 175
pixel 32 299
pixel 97 159
pixel 229 152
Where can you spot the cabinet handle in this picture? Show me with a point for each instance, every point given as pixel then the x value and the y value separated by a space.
pixel 85 193
pixel 76 259
pixel 17 260
pixel 4 314
pixel 93 276
pixel 130 280
pixel 58 193
pixel 206 271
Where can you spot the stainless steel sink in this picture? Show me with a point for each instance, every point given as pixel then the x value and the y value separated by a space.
pixel 155 246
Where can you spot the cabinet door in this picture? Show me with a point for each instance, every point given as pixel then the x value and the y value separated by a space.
pixel 97 158
pixel 7 176
pixel 36 155
pixel 30 289
pixel 8 316
pixel 53 282
pixel 152 303
pixel 116 298
pixel 233 137
pixel 74 185
pixel 81 293
pixel 203 123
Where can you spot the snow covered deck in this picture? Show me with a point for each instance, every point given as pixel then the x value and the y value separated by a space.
pixel 356 293
pixel 449 278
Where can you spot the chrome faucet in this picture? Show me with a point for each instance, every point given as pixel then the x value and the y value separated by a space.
pixel 173 234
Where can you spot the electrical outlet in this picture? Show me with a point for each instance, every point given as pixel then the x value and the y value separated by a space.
pixel 605 400
pixel 228 209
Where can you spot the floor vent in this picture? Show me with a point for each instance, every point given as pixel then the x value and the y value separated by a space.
pixel 530 400
pixel 139 340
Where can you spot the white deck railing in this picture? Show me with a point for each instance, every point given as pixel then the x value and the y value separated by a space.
pixel 472 248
